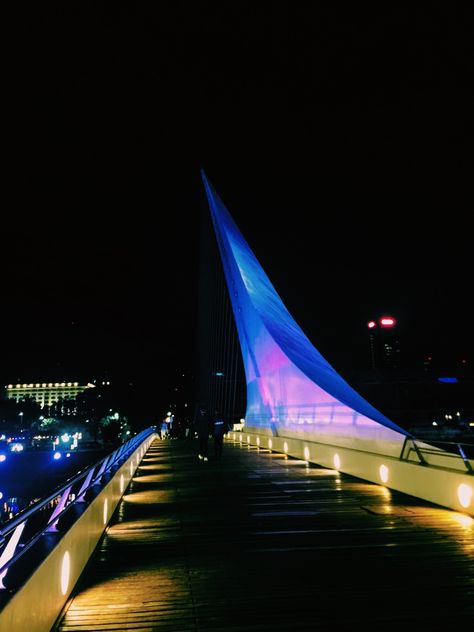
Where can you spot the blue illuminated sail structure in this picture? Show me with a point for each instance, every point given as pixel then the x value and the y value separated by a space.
pixel 292 390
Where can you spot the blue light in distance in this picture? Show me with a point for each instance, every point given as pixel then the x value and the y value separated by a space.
pixel 448 380
pixel 57 456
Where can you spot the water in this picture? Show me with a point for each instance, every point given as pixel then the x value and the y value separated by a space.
pixel 30 475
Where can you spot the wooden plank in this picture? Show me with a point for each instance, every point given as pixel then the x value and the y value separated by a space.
pixel 259 542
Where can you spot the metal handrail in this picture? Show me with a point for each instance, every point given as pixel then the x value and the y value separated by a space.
pixel 14 528
pixel 427 450
pixel 27 512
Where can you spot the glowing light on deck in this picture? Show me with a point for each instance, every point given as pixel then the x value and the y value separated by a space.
pixel 65 572
pixel 121 483
pixel 337 461
pixel 306 453
pixel 383 471
pixel 106 505
pixel 285 447
pixel 463 520
pixel 465 495
pixel 270 444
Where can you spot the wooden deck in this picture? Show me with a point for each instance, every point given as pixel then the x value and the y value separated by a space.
pixel 258 542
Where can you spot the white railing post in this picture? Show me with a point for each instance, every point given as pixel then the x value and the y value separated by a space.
pixel 57 510
pixel 9 550
pixel 85 485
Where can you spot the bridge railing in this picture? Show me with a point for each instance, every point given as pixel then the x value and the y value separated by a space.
pixel 414 466
pixel 24 530
pixel 432 450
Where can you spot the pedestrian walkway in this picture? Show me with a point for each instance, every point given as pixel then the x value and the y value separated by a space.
pixel 258 542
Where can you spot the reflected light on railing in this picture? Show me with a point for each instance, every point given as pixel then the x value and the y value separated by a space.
pixel 306 453
pixel 121 483
pixel 337 461
pixel 106 505
pixel 9 550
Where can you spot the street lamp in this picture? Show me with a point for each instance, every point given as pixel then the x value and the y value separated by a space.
pixel 372 326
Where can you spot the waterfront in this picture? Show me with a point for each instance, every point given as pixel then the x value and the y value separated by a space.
pixel 32 474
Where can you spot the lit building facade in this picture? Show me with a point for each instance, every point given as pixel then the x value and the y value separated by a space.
pixel 46 393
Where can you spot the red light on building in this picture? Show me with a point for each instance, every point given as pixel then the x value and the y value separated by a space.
pixel 371 324
pixel 387 321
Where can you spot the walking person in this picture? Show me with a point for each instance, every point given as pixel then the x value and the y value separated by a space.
pixel 219 428
pixel 163 430
pixel 202 425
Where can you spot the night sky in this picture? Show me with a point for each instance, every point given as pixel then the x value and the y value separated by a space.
pixel 337 137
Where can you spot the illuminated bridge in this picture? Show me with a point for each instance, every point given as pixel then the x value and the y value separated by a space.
pixel 322 514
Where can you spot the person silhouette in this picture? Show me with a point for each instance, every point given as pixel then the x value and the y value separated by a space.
pixel 202 425
pixel 219 428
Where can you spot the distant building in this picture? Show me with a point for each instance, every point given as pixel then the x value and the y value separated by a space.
pixel 46 393
pixel 384 343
